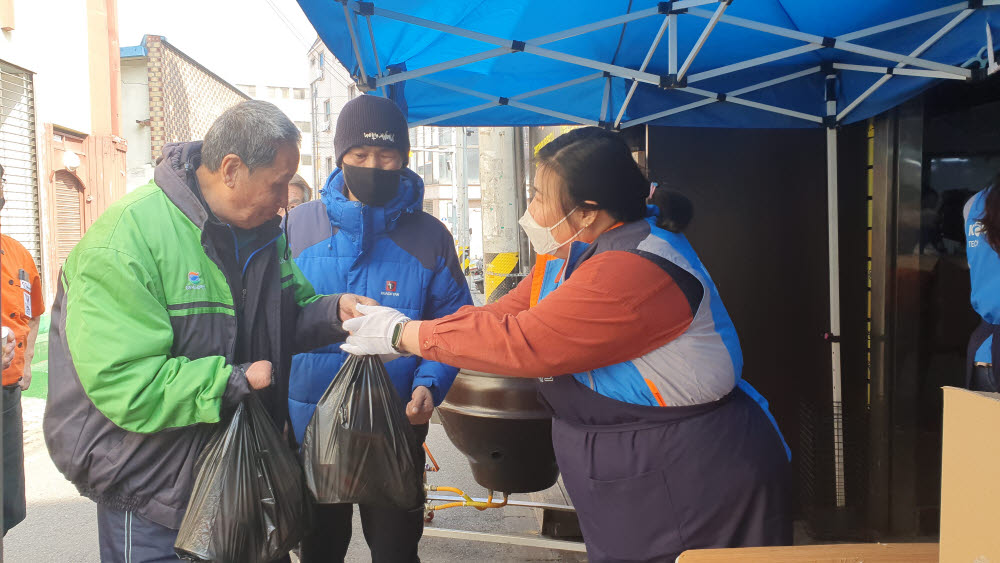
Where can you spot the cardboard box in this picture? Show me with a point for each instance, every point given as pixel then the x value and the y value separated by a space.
pixel 840 553
pixel 970 477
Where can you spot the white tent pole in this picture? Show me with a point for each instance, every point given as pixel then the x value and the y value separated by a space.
pixel 788 53
pixel 833 239
pixel 454 114
pixel 429 24
pixel 672 44
pixel 580 30
pixel 442 66
pixel 897 70
pixel 508 46
pixel 775 82
pixel 665 113
pixel 531 46
pixel 523 96
pixel 496 100
pixel 559 86
pixel 837 44
pixel 616 70
pixel 605 99
pixel 896 24
pixel 645 63
pixel 460 89
pixel 557 114
pixel 354 41
pixel 731 96
pixel 378 63
pixel 992 66
pixel 912 61
pixel 916 53
pixel 719 11
pixel 775 109
pixel 748 103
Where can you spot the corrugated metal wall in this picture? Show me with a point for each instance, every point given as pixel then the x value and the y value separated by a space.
pixel 18 155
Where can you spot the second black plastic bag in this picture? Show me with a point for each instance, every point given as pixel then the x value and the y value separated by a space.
pixel 359 447
pixel 249 503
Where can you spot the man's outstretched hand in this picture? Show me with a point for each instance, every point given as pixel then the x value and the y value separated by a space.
pixel 349 305
pixel 421 406
pixel 259 374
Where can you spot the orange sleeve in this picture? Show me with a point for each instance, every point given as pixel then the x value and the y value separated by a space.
pixel 616 307
pixel 37 299
pixel 516 300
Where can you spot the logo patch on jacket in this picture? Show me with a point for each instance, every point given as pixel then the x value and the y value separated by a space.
pixel 391 289
pixel 195 281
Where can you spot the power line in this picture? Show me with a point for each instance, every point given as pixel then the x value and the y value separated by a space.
pixel 305 43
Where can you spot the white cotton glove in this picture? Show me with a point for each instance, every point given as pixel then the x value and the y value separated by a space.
pixel 371 334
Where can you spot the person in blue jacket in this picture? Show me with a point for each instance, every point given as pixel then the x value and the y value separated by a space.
pixel 368 235
pixel 982 233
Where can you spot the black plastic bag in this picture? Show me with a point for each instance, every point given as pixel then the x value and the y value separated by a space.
pixel 249 503
pixel 359 446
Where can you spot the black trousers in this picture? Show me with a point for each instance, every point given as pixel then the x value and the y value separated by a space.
pixel 13 458
pixel 126 537
pixel 392 534
pixel 984 379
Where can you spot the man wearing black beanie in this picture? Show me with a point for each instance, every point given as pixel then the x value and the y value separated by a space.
pixel 367 234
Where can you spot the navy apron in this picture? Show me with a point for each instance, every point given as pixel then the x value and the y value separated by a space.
pixel 651 482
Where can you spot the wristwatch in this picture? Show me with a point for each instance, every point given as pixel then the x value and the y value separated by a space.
pixel 397 336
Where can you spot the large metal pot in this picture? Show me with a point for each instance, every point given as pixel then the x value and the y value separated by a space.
pixel 499 424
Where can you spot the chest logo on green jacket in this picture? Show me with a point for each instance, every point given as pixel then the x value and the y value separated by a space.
pixel 195 281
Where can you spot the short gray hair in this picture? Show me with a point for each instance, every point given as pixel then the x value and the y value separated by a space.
pixel 252 130
pixel 302 184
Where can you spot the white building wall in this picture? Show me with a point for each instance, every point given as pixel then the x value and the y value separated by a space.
pixel 50 39
pixel 331 83
pixel 295 103
pixel 135 128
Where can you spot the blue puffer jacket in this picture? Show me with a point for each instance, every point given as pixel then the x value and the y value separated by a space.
pixel 398 255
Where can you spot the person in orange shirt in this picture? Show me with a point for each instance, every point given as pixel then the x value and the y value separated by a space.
pixel 22 305
pixel 662 446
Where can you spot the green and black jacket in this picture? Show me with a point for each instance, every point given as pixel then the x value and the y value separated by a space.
pixel 155 320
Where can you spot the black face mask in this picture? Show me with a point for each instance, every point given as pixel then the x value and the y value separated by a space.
pixel 372 186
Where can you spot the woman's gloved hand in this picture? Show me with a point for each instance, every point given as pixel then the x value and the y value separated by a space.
pixel 371 334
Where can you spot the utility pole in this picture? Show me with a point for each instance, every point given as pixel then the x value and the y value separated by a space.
pixel 461 198
pixel 502 177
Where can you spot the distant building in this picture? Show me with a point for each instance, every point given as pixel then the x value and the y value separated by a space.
pixel 331 87
pixel 168 97
pixel 297 106
pixel 61 144
pixel 432 153
pixel 432 157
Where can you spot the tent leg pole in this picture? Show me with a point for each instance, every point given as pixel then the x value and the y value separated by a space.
pixel 354 42
pixel 834 257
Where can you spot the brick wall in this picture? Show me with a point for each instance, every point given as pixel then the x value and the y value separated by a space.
pixel 154 72
pixel 184 97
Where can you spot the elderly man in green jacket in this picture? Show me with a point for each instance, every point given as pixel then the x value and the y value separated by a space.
pixel 178 301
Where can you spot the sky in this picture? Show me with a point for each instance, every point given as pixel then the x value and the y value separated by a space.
pixel 243 41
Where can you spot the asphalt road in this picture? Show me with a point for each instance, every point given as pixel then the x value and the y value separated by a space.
pixel 62 527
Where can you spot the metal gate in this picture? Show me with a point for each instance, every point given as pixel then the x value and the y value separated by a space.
pixel 19 158
pixel 69 216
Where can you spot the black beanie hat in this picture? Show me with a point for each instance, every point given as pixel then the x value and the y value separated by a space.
pixel 374 121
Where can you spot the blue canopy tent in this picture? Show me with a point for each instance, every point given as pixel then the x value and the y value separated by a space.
pixel 621 63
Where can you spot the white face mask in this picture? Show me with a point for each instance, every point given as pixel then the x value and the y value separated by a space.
pixel 541 237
